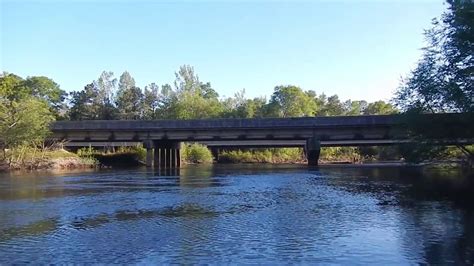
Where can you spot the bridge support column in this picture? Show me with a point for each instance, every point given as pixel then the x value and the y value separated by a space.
pixel 169 154
pixel 172 158
pixel 313 149
pixel 148 145
pixel 215 153
pixel 178 156
pixel 162 164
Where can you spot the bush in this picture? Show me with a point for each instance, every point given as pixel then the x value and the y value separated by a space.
pixel 87 152
pixel 27 157
pixel 275 155
pixel 196 153
pixel 346 154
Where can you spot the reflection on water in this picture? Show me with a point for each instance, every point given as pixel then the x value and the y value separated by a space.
pixel 239 214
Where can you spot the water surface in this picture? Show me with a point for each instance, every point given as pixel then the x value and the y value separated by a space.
pixel 238 214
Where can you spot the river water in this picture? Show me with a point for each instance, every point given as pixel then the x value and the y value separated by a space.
pixel 239 214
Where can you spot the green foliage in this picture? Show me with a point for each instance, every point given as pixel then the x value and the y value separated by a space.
pixel 189 98
pixel 96 101
pixel 380 153
pixel 86 152
pixel 441 82
pixel 48 90
pixel 276 155
pixel 24 122
pixel 196 153
pixel 379 108
pixel 291 101
pixel 129 98
pixel 192 105
pixel 247 156
pixel 84 105
pixel 330 106
pixel 151 101
pixel 419 152
pixel 443 79
pixel 45 157
pixel 13 89
pixel 138 151
pixel 346 154
pixel 24 117
pixel 354 107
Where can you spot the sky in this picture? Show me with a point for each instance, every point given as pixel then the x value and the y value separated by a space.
pixel 358 50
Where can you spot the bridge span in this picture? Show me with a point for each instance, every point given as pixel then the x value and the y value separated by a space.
pixel 162 138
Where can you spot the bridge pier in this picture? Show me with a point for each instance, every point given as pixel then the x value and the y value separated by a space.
pixel 215 153
pixel 313 149
pixel 148 145
pixel 167 154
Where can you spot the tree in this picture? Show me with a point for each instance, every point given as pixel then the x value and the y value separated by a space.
pixel 191 105
pixel 96 100
pixel 129 98
pixel 166 100
pixel 24 122
pixel 191 99
pixel 24 118
pixel 126 82
pixel 291 101
pixel 151 101
pixel 106 86
pixel 379 108
pixel 331 106
pixel 15 87
pixel 187 80
pixel 84 105
pixel 354 107
pixel 444 78
pixel 207 91
pixel 241 107
pixel 48 90
pixel 130 104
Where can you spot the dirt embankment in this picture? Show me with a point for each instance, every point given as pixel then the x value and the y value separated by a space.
pixel 50 164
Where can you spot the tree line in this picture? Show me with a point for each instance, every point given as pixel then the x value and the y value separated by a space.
pixel 108 98
pixel 188 98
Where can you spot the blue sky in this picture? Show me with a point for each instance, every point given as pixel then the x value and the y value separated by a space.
pixel 356 49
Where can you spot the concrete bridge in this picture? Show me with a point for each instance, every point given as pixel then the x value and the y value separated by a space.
pixel 162 138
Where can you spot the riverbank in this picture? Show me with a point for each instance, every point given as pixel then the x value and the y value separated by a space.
pixel 46 160
pixel 128 157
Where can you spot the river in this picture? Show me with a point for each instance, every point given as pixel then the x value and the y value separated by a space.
pixel 239 214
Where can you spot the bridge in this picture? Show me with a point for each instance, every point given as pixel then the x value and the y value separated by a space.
pixel 162 138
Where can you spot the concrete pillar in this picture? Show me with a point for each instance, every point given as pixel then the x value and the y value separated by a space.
pixel 174 160
pixel 178 157
pixel 313 149
pixel 149 157
pixel 148 145
pixel 156 158
pixel 169 154
pixel 215 153
pixel 162 158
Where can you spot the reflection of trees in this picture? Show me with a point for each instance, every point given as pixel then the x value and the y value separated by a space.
pixel 434 207
pixel 199 177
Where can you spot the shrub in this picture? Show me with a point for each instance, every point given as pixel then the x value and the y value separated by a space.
pixel 273 155
pixel 196 153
